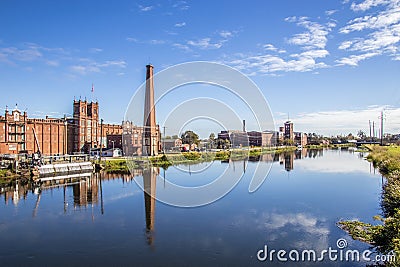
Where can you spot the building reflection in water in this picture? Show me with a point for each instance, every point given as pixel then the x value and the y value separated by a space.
pixel 289 161
pixel 287 158
pixel 149 185
pixel 86 191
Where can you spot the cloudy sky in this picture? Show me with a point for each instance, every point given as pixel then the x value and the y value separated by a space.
pixel 331 66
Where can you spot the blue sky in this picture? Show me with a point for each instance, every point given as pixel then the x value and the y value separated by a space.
pixel 332 65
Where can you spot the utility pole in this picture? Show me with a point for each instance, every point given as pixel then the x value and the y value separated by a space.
pixel 164 141
pixel 370 134
pixel 373 130
pixel 381 117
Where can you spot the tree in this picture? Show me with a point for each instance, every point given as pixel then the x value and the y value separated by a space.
pixel 212 137
pixel 361 134
pixel 190 137
pixel 350 136
pixel 168 137
pixel 175 136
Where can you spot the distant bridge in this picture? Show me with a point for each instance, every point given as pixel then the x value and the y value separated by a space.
pixel 360 143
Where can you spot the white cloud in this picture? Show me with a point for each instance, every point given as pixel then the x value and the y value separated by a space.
pixel 270 47
pixel 116 63
pixel 367 4
pixel 182 5
pixel 321 53
pixel 345 45
pixel 205 43
pixel 300 221
pixel 265 64
pixel 382 30
pixel 96 67
pixel 149 42
pixel 312 44
pixel 182 47
pixel 335 122
pixel 30 53
pixel 53 63
pixel 181 24
pixel 354 59
pixel 95 50
pixel 330 163
pixel 83 70
pixel 226 34
pixel 330 12
pixel 383 19
pixel 315 35
pixel 145 8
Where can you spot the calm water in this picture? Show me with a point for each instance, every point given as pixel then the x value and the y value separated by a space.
pixel 113 223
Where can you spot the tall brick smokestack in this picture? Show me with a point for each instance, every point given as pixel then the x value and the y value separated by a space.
pixel 150 146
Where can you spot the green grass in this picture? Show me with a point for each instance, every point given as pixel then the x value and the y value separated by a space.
pixel 167 160
pixel 385 237
pixel 3 173
pixel 386 158
pixel 5 176
pixel 116 166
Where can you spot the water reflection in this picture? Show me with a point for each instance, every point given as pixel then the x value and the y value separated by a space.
pixel 299 213
pixel 149 184
pixel 287 158
pixel 87 191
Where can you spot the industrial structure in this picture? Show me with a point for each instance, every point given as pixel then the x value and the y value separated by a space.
pixel 83 132
pixel 285 135
pixel 51 136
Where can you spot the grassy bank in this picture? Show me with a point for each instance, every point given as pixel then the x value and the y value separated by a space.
pixel 384 235
pixel 385 158
pixel 6 176
pixel 116 166
pixel 165 161
pixel 333 146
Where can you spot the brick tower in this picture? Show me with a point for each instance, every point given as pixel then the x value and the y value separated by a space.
pixel 151 140
pixel 84 128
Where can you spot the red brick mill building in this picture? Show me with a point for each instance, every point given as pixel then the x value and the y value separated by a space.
pixel 55 135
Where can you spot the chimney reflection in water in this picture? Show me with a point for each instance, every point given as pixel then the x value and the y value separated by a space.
pixel 149 184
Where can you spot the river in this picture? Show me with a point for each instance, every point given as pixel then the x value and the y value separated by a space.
pixel 107 220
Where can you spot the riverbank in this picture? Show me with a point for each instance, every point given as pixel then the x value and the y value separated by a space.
pixel 333 146
pixel 167 160
pixel 6 176
pixel 384 236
